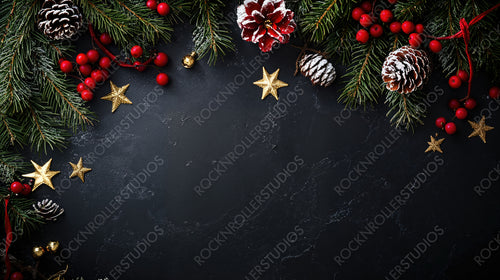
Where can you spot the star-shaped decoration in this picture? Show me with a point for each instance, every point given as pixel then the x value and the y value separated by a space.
pixel 79 170
pixel 270 83
pixel 117 96
pixel 434 145
pixel 480 129
pixel 42 175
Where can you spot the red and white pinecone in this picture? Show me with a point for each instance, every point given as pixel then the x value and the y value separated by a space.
pixel 265 22
pixel 406 70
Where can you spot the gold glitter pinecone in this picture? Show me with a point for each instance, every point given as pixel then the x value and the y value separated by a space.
pixel 59 19
pixel 318 69
pixel 406 70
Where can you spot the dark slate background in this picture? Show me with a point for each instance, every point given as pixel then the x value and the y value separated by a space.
pixel 181 223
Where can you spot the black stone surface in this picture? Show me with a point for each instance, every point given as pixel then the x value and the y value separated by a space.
pixel 345 212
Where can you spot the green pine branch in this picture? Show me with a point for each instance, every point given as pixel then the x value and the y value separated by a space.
pixel 405 110
pixel 22 217
pixel 363 84
pixel 211 35
pixel 323 17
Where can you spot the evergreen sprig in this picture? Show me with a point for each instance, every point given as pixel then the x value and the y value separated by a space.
pixel 22 217
pixel 211 35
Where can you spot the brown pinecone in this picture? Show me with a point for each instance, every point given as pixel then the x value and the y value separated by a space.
pixel 59 19
pixel 406 70
pixel 318 69
pixel 48 210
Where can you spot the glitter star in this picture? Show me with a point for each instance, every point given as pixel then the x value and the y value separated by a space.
pixel 117 96
pixel 42 175
pixel 270 83
pixel 79 170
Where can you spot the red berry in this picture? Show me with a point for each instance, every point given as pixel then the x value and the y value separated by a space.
pixel 395 27
pixel 105 73
pixel 16 276
pixel 66 66
pixel 163 9
pixel 408 27
pixel 362 36
pixel 93 56
pixel 162 79
pixel 86 95
pixel 454 82
pixel 494 92
pixel 440 122
pixel 366 20
pixel 85 69
pixel 151 4
pixel 357 13
pixel 470 103
pixel 415 40
pixel 90 83
pixel 453 104
pixel 26 189
pixel 392 1
pixel 376 30
pixel 450 128
pixel 136 51
pixel 61 60
pixel 81 87
pixel 81 59
pixel 139 66
pixel 463 75
pixel 435 46
pixel 419 28
pixel 105 38
pixel 98 76
pixel 161 59
pixel 16 187
pixel 366 6
pixel 386 15
pixel 461 113
pixel 105 62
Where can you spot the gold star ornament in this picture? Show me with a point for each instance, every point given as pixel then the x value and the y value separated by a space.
pixel 434 145
pixel 79 170
pixel 42 175
pixel 117 96
pixel 480 129
pixel 270 83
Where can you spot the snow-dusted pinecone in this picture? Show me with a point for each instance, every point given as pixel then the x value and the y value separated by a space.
pixel 406 70
pixel 318 69
pixel 48 210
pixel 59 19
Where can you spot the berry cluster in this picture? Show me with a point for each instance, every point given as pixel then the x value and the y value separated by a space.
pixel 92 69
pixel 460 108
pixel 20 188
pixel 366 17
pixel 163 9
pixel 455 81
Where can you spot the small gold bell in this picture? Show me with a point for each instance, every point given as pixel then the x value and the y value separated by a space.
pixel 38 252
pixel 189 60
pixel 53 246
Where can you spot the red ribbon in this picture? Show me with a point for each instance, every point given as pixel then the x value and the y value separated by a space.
pixel 465 33
pixel 114 57
pixel 8 239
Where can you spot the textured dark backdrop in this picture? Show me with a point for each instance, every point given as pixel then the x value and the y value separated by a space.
pixel 227 232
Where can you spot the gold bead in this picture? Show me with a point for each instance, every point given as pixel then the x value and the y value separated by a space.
pixel 53 246
pixel 38 252
pixel 189 60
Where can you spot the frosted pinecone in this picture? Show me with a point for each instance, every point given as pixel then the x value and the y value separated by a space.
pixel 318 69
pixel 59 19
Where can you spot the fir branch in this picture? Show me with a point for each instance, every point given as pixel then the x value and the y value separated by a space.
pixel 211 35
pixel 405 110
pixel 10 163
pixel 363 85
pixel 21 215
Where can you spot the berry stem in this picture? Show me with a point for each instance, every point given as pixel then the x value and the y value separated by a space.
pixel 114 57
